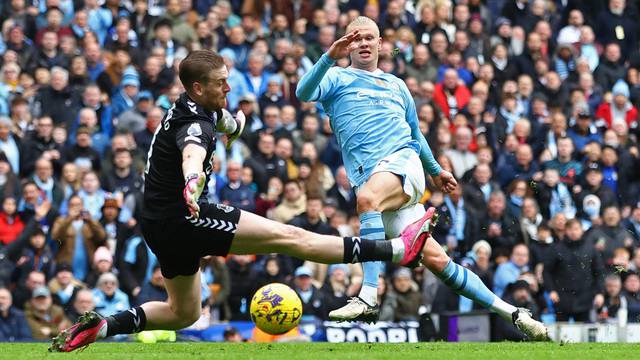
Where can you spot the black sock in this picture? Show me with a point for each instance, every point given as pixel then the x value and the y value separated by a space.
pixel 361 250
pixel 127 322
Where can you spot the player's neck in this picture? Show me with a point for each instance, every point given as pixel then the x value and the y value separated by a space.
pixel 370 68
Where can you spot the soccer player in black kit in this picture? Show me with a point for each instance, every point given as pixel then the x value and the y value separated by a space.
pixel 180 227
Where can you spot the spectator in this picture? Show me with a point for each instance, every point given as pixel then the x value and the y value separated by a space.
pixel 144 137
pixel 610 235
pixel 403 296
pixel 631 293
pixel 134 119
pixel 614 301
pixel 523 168
pixel 343 192
pixel 450 96
pixel 109 299
pixel 617 25
pixel 82 303
pixel 11 225
pixel 243 279
pixel 82 154
pixel 126 97
pixel 24 290
pixel 499 227
pixel 583 132
pixel 311 219
pixel 117 231
pixel 9 186
pixel 79 236
pixel 136 265
pixel 320 178
pixel 102 263
pixel 568 168
pixel 620 109
pixel 34 255
pixel 632 223
pixel 313 300
pixel 10 144
pixel 460 228
pixel 265 163
pixel 554 196
pixel 462 158
pixel 574 292
pixel 41 144
pixel 593 186
pixel 44 178
pixel 256 77
pixel 57 100
pixel 154 289
pixel 336 289
pixel 235 193
pixel 510 271
pixel 610 69
pixel 123 179
pixel 13 324
pixel 293 203
pixel 64 286
pixel 45 319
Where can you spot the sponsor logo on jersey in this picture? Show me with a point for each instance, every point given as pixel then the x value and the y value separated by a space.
pixel 226 208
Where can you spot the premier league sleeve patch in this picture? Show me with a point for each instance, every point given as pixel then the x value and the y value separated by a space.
pixel 193 133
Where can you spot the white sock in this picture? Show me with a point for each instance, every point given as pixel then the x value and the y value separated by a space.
pixel 398 249
pixel 369 295
pixel 102 333
pixel 503 308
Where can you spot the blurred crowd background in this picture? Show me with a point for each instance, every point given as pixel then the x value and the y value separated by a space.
pixel 533 105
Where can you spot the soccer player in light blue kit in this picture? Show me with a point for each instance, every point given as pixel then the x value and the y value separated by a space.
pixel 374 119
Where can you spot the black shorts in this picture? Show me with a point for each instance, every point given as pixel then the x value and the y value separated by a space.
pixel 179 243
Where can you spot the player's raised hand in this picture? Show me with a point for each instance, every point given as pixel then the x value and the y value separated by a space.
pixel 193 188
pixel 343 46
pixel 445 181
pixel 240 121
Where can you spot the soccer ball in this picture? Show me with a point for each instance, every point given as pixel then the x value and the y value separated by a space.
pixel 276 309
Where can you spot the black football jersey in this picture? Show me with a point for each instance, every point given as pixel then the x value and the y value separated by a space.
pixel 185 123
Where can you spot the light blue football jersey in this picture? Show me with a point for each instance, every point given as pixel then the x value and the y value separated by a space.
pixel 371 115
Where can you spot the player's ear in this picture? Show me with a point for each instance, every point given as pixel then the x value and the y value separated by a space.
pixel 379 43
pixel 197 88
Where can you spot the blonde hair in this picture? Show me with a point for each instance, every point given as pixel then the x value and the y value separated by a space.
pixel 363 21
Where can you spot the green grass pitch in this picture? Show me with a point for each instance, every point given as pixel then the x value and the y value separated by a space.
pixel 308 351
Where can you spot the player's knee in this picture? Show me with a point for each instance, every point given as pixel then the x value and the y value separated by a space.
pixel 367 201
pixel 187 315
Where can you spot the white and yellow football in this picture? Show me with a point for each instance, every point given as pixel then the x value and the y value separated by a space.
pixel 276 308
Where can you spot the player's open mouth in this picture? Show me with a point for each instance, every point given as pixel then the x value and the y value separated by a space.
pixel 365 53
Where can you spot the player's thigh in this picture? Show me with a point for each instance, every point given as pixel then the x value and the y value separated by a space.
pixel 396 220
pixel 258 235
pixel 184 295
pixel 382 191
pixel 396 182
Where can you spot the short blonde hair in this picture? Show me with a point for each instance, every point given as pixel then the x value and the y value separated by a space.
pixel 363 21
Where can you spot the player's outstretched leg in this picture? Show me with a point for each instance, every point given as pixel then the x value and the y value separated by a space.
pixel 258 235
pixel 466 283
pixel 182 309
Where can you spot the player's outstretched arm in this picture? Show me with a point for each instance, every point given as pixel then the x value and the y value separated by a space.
pixel 192 160
pixel 308 87
pixel 442 178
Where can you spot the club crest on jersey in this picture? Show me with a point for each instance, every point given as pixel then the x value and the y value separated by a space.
pixel 226 208
pixel 193 132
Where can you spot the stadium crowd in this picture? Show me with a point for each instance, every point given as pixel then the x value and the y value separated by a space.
pixel 533 105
